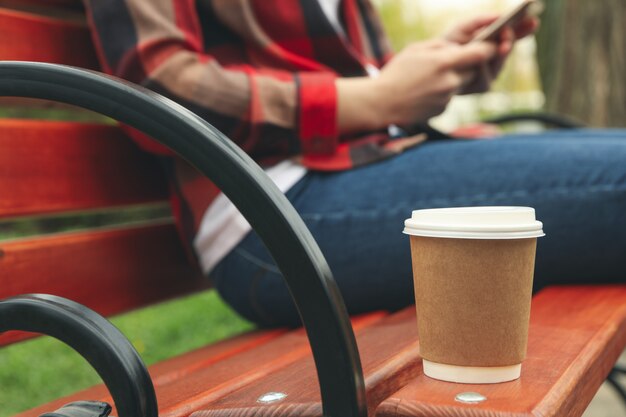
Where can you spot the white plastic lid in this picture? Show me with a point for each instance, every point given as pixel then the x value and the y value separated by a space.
pixel 475 223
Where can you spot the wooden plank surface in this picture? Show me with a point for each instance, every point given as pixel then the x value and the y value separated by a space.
pixel 389 356
pixel 34 32
pixel 48 167
pixel 186 384
pixel 110 271
pixel 576 335
pixel 174 368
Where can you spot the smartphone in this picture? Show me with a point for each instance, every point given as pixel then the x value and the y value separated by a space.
pixel 513 17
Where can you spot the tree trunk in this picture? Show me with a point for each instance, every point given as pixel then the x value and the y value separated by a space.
pixel 582 59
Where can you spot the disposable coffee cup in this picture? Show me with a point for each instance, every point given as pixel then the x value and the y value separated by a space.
pixel 473 272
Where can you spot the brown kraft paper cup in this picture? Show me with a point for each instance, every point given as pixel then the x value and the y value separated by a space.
pixel 472 297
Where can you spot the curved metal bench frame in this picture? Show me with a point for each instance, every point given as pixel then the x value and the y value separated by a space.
pixel 268 211
pixel 105 348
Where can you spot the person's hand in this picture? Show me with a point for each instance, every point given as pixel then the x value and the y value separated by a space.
pixel 464 31
pixel 419 82
pixel 415 85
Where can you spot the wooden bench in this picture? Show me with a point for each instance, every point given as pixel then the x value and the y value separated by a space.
pixel 51 167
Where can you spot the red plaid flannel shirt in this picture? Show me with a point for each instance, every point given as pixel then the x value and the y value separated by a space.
pixel 261 71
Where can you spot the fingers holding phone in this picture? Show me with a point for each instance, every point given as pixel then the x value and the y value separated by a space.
pixel 504 31
pixel 522 19
pixel 465 30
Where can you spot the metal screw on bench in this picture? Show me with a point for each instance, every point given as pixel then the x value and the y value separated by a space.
pixel 271 397
pixel 470 398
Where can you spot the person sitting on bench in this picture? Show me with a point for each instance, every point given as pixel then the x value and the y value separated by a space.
pixel 312 91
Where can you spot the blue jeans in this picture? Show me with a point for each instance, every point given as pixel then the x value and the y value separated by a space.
pixel 576 181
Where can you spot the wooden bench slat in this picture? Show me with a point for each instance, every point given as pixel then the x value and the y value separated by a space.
pixel 126 267
pixel 48 166
pixel 389 356
pixel 182 397
pixel 576 335
pixel 174 368
pixel 186 383
pixel 566 347
pixel 34 37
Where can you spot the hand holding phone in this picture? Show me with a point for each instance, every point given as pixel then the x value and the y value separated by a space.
pixel 525 9
pixel 486 72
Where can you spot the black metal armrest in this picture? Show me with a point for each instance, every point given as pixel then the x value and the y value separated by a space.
pixel 547 119
pixel 268 211
pixel 94 338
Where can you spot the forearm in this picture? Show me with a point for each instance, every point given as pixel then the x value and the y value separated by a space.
pixel 359 105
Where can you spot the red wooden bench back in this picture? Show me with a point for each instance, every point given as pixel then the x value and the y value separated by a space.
pixel 56 167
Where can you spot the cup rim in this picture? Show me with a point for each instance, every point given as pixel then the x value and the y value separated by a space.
pixel 489 222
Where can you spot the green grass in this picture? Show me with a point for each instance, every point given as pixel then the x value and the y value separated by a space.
pixel 65 222
pixel 37 371
pixel 55 113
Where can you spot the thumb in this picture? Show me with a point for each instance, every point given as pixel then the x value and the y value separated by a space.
pixel 471 54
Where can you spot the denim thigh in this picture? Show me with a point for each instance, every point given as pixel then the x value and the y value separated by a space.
pixel 576 181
